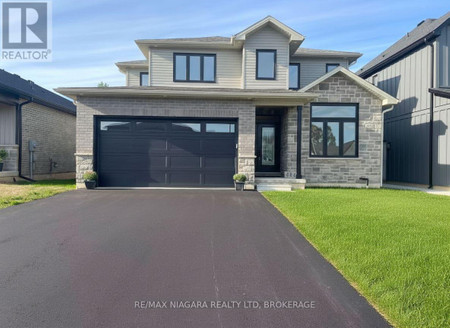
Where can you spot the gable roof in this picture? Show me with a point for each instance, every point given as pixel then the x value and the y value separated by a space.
pixel 26 89
pixel 410 41
pixel 386 99
pixel 292 34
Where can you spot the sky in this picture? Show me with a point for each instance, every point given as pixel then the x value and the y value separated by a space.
pixel 90 36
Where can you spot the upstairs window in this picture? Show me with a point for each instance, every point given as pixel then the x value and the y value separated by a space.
pixel 143 79
pixel 266 64
pixel 294 76
pixel 194 67
pixel 334 130
pixel 330 67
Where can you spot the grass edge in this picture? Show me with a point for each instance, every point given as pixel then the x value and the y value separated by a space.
pixel 351 282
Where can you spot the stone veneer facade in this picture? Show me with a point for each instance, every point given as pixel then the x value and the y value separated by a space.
pixel 316 171
pixel 346 171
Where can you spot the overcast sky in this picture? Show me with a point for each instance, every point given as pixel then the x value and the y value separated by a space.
pixel 90 36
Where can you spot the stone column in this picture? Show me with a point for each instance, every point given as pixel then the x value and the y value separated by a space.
pixel 246 144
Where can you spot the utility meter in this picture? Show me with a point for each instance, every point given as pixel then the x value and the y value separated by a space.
pixel 32 145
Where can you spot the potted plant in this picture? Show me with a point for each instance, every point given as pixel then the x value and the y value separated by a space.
pixel 239 181
pixel 3 155
pixel 90 179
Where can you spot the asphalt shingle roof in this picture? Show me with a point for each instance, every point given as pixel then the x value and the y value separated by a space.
pixel 202 39
pixel 133 62
pixel 322 52
pixel 420 32
pixel 15 84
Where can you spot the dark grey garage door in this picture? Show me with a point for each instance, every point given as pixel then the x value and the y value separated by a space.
pixel 165 152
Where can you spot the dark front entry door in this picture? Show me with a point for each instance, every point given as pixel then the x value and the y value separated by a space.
pixel 147 152
pixel 267 147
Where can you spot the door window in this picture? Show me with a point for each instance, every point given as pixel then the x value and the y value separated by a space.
pixel 268 146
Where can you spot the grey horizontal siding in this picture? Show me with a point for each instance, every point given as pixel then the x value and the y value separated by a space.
pixel 133 76
pixel 266 38
pixel 313 68
pixel 228 65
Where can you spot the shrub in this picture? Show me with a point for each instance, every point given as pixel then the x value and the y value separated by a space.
pixel 90 175
pixel 240 177
pixel 3 155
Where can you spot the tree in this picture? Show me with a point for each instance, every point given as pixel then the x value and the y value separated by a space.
pixel 102 85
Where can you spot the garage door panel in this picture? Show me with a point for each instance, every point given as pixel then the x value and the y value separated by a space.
pixel 218 162
pixel 164 152
pixel 185 162
pixel 219 146
pixel 134 179
pixel 130 144
pixel 189 146
pixel 115 144
pixel 143 144
pixel 111 163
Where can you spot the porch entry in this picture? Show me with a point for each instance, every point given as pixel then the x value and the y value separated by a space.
pixel 267 143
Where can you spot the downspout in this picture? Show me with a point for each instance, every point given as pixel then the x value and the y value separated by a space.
pixel 387 110
pixel 299 142
pixel 19 135
pixel 431 132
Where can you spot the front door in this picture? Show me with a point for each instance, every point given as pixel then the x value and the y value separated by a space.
pixel 267 148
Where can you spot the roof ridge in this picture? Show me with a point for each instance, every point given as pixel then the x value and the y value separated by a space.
pixel 423 29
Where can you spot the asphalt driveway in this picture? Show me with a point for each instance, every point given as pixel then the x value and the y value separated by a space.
pixel 113 258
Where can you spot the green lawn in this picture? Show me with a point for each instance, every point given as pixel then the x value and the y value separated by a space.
pixel 24 191
pixel 392 245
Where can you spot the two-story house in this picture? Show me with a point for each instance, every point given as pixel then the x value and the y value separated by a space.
pixel 416 70
pixel 197 110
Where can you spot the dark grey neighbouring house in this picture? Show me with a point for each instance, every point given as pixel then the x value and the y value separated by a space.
pixel 194 111
pixel 29 112
pixel 416 70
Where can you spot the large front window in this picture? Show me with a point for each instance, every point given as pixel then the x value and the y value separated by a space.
pixel 334 130
pixel 194 67
pixel 266 64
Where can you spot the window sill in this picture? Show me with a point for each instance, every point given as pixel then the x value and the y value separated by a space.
pixel 344 158
pixel 183 81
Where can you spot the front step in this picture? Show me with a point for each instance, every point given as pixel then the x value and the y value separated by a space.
pixel 279 184
pixel 274 187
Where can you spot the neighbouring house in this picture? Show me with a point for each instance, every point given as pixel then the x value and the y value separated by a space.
pixel 416 70
pixel 197 110
pixel 37 129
